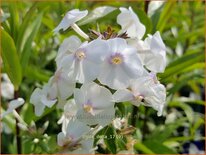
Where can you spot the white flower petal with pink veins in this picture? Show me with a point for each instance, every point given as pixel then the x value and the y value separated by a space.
pixel 70 18
pixel 95 104
pixel 151 51
pixel 120 65
pixel 130 23
pixel 84 63
pixel 145 90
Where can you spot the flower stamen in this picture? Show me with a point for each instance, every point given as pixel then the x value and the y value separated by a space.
pixel 88 108
pixel 116 59
pixel 80 55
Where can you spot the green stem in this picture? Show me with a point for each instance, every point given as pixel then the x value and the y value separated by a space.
pixel 134 115
pixel 18 139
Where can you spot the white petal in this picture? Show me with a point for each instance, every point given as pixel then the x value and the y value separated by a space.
pixel 36 95
pixel 7 90
pixel 77 129
pixel 96 51
pixel 90 71
pixel 98 95
pixel 117 45
pixel 86 117
pixel 70 18
pixel 16 103
pixel 68 46
pixel 65 85
pixel 48 102
pixel 130 23
pixel 123 95
pixel 106 116
pixel 155 58
pixel 39 109
pixel 113 77
pixel 67 63
pixel 79 97
pixel 140 28
pixel 61 139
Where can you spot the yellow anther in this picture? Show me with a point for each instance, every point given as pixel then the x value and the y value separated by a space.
pixel 117 60
pixel 88 108
pixel 80 55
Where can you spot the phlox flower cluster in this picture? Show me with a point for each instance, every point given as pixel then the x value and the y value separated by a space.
pixel 95 74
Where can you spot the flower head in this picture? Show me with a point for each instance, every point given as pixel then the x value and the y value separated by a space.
pixel 83 61
pixel 144 90
pixel 94 104
pixel 130 23
pixel 70 18
pixel 120 65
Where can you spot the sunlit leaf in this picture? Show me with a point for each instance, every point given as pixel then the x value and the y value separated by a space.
pixel 28 44
pixel 11 59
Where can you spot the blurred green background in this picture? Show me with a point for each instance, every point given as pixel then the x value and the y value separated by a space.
pixel 29 48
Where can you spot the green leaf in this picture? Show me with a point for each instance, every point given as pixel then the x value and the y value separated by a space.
pixel 163 134
pixel 182 81
pixel 96 14
pixel 28 45
pixel 37 74
pixel 10 59
pixel 110 139
pixel 185 107
pixel 157 147
pixel 14 20
pixel 181 64
pixel 165 15
pixel 196 125
pixel 144 149
pixel 24 27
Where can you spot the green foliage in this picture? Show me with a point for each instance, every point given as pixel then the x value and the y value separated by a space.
pixel 11 59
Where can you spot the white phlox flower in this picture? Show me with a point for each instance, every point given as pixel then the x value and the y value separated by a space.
pixel 14 104
pixel 76 140
pixel 120 65
pixel 61 85
pixel 70 110
pixel 70 18
pixel 152 52
pixel 41 98
pixel 130 23
pixel 83 62
pixel 145 90
pixel 95 104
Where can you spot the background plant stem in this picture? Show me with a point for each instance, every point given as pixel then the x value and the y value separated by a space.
pixel 18 139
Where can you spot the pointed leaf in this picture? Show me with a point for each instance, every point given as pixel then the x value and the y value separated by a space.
pixel 10 59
